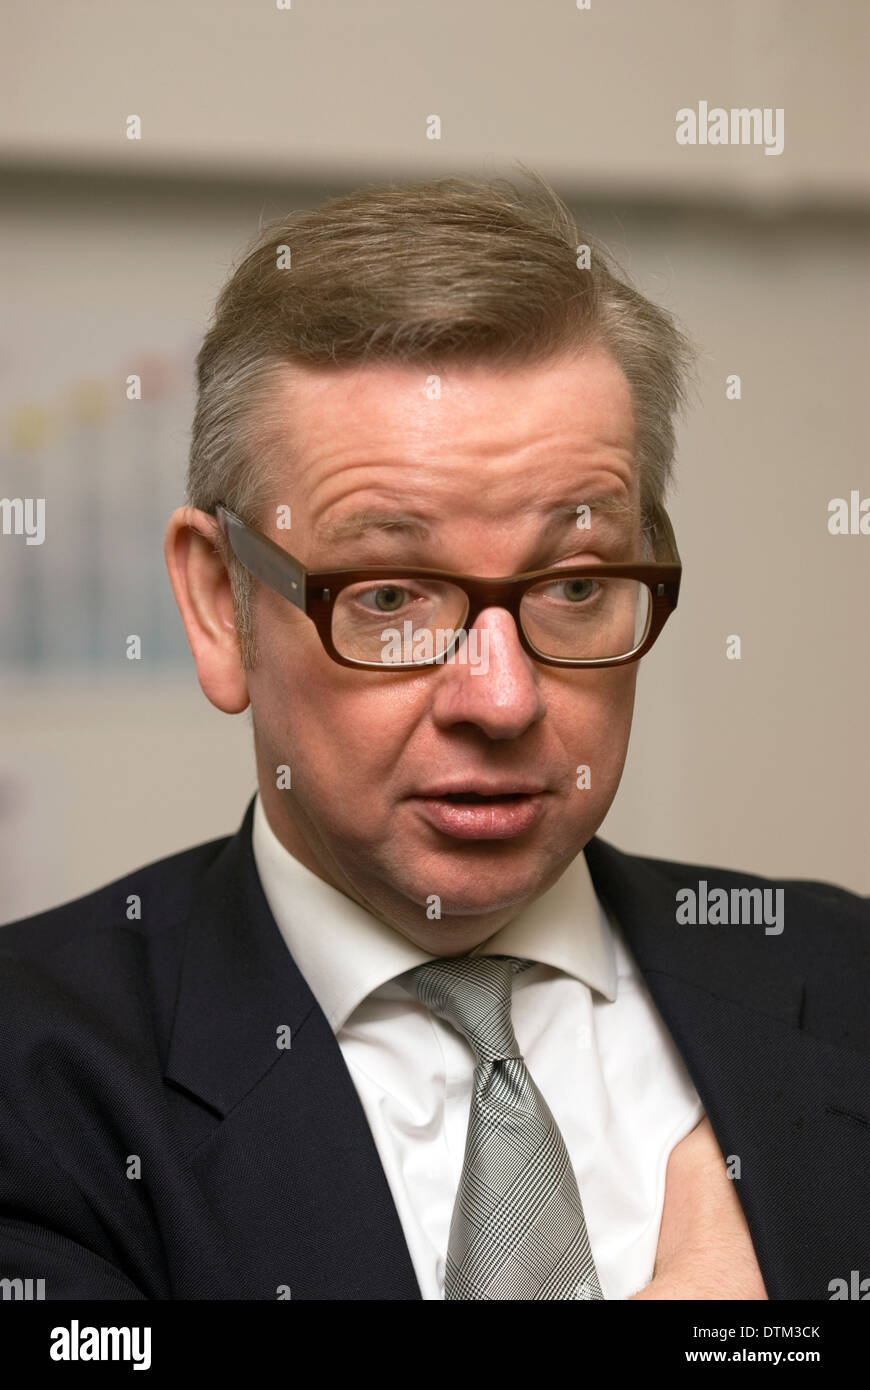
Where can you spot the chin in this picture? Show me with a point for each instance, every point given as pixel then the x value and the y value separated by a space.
pixel 483 883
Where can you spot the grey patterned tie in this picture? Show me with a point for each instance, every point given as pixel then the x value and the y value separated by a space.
pixel 518 1229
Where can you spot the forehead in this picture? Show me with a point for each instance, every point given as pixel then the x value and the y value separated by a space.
pixel 463 441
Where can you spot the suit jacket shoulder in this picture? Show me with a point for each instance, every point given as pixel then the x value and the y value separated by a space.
pixel 777 932
pixel 156 1138
pixel 86 994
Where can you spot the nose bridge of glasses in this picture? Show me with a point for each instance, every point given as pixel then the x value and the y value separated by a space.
pixel 492 593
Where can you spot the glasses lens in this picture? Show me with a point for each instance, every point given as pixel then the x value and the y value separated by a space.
pixel 587 619
pixel 398 622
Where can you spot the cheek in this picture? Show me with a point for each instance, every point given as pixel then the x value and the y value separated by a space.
pixel 594 719
pixel 617 699
pixel 337 728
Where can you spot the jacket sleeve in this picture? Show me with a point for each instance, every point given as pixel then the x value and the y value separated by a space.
pixel 58 1267
pixel 64 1206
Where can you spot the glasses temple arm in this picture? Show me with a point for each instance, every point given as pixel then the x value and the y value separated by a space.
pixel 265 560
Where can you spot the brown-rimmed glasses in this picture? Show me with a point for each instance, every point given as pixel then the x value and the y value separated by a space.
pixel 573 615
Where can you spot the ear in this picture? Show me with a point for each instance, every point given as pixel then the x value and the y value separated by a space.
pixel 201 584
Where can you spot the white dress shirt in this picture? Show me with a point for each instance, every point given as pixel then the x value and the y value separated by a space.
pixel 584 1020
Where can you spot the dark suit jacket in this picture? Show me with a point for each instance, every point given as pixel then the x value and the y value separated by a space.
pixel 156 1038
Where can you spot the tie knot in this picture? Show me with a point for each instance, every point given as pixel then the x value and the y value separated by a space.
pixel 474 994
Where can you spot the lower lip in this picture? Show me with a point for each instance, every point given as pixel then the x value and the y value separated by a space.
pixel 483 820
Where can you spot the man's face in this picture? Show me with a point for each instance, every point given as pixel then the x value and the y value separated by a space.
pixel 484 480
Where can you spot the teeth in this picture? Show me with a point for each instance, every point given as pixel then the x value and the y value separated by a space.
pixel 476 796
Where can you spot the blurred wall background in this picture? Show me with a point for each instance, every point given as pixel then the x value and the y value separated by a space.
pixel 115 249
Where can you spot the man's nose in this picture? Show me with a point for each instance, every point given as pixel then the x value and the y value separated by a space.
pixel 490 681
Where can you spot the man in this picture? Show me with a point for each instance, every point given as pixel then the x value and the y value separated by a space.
pixel 414 1031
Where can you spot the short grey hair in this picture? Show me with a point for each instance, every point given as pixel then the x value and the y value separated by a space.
pixel 430 273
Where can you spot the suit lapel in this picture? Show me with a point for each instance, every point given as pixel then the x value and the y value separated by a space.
pixel 790 1106
pixel 291 1170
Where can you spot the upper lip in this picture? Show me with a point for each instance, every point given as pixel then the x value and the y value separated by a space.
pixel 483 788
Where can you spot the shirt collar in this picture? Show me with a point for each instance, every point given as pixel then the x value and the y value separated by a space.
pixel 345 952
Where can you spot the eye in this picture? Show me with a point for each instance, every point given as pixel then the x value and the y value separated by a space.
pixel 574 590
pixel 386 598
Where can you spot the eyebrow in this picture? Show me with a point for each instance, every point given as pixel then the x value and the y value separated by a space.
pixel 360 523
pixel 417 527
pixel 605 504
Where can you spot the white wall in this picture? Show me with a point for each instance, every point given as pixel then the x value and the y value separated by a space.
pixel 344 87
